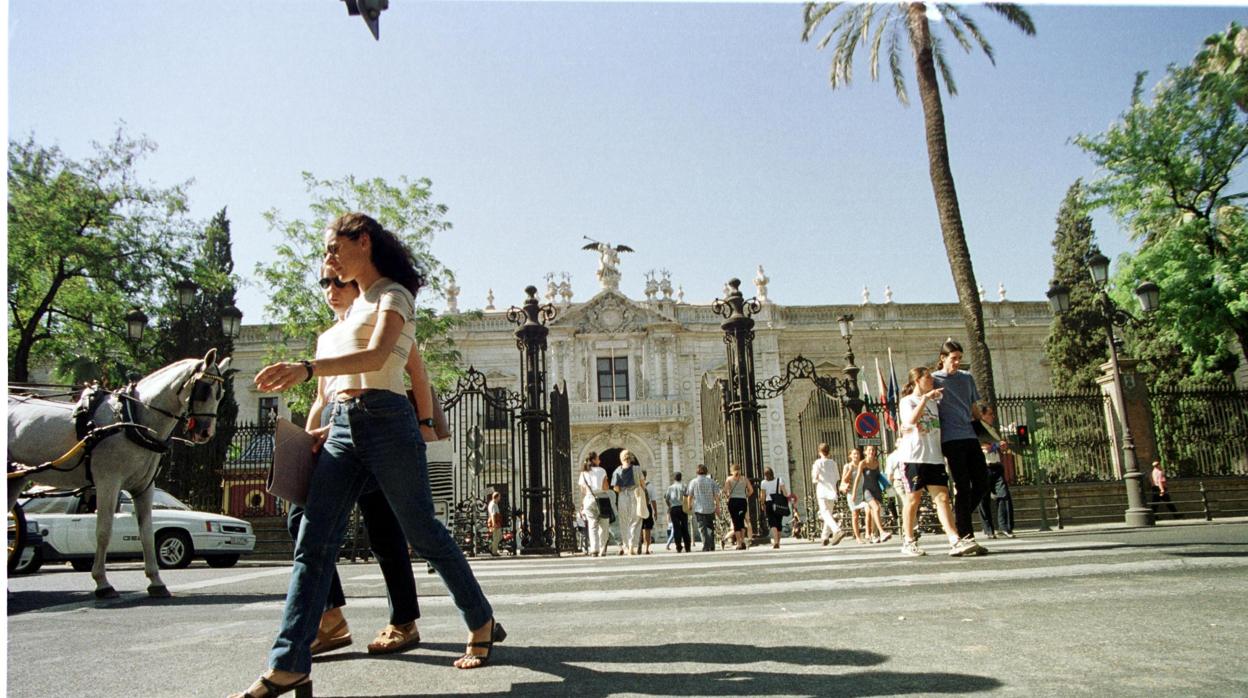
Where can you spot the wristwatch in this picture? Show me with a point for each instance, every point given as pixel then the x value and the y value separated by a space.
pixel 427 422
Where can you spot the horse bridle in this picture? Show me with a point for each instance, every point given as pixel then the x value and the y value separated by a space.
pixel 201 387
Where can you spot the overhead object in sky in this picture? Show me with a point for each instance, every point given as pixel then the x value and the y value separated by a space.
pixel 371 11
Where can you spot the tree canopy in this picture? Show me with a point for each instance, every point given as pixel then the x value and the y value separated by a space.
pixel 1076 344
pixel 87 240
pixel 408 210
pixel 1171 169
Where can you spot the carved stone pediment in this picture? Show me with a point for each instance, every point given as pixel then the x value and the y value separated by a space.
pixel 610 312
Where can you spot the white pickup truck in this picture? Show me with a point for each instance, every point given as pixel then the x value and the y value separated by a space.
pixel 67 525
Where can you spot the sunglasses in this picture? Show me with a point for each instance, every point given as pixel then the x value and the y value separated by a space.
pixel 338 283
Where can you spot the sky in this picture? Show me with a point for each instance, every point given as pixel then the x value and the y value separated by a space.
pixel 704 136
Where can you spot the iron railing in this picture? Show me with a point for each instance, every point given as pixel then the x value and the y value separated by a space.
pixel 1201 433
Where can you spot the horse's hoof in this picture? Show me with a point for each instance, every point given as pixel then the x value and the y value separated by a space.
pixel 159 592
pixel 106 593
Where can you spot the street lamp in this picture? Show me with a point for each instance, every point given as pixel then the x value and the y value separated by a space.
pixel 136 322
pixel 851 398
pixel 231 322
pixel 185 290
pixel 1147 293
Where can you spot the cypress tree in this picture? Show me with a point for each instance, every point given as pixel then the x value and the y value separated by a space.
pixel 1076 343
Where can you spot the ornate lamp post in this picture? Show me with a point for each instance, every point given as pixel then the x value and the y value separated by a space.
pixel 741 412
pixel 852 398
pixel 534 416
pixel 1138 513
pixel 136 323
pixel 231 322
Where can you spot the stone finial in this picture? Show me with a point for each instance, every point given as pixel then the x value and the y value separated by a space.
pixel 680 294
pixel 888 294
pixel 1000 291
pixel 489 300
pixel 665 285
pixel 866 296
pixel 452 297
pixel 981 293
pixel 652 286
pixel 760 285
pixel 552 289
pixel 565 288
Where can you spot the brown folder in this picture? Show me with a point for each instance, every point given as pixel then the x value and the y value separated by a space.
pixel 293 461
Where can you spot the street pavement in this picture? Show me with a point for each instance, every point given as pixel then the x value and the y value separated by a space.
pixel 1101 611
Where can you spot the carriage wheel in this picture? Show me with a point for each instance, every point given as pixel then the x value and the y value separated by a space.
pixel 17 536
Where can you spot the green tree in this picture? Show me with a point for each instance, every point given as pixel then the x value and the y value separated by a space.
pixel 1223 64
pixel 1171 168
pixel 1076 345
pixel 880 25
pixel 295 304
pixel 87 239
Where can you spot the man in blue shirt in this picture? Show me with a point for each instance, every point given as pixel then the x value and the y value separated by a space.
pixel 960 445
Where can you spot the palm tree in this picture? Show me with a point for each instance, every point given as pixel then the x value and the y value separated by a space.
pixel 877 25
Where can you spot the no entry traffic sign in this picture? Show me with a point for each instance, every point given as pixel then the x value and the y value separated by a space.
pixel 867 425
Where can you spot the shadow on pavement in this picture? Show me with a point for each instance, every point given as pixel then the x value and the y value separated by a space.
pixel 599 679
pixel 34 601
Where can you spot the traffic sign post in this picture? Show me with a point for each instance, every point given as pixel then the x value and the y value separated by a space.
pixel 867 425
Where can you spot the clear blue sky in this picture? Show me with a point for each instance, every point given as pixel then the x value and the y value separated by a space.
pixel 704 136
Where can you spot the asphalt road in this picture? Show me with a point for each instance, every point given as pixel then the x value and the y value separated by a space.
pixel 1103 611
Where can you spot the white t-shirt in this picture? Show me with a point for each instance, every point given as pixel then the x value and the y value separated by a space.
pixel 593 479
pixel 826 473
pixel 770 487
pixel 492 509
pixel 920 443
pixel 355 331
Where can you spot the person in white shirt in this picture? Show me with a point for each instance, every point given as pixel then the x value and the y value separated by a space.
pixel 925 465
pixel 494 521
pixel 825 473
pixel 596 504
pixel 775 496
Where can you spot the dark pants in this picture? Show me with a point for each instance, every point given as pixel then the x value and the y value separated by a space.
pixel 680 529
pixel 706 529
pixel 998 496
pixel 1158 498
pixel 385 537
pixel 970 478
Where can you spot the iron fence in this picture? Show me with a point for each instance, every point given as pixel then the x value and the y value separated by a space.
pixel 1201 433
pixel 1069 441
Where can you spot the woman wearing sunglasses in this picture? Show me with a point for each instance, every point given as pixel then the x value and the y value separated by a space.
pixel 385 536
pixel 373 432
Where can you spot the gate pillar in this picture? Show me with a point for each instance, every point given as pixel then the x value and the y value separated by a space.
pixel 744 440
pixel 534 416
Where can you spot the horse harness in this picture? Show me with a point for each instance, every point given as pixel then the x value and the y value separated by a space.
pixel 91 435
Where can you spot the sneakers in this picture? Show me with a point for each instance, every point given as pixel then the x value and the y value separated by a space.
pixel 966 547
pixel 911 549
pixel 1008 534
pixel 884 538
pixel 838 537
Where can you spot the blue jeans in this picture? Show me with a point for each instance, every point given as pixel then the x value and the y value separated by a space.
pixel 373 435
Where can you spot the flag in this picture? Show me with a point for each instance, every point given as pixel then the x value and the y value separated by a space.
pixel 879 381
pixel 893 394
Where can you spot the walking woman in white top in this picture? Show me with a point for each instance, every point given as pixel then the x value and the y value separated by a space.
pixel 925 465
pixel 773 494
pixel 625 481
pixel 596 503
pixel 825 473
pixel 373 432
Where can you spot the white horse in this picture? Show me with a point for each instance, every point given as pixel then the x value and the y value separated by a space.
pixel 182 394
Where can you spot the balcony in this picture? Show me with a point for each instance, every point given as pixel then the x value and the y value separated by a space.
pixel 631 411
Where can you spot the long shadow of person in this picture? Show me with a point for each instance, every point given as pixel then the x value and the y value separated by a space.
pixel 816 671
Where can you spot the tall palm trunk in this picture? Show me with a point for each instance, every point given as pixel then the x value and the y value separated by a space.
pixel 947 202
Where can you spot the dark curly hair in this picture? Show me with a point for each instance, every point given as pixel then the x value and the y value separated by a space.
pixel 388 254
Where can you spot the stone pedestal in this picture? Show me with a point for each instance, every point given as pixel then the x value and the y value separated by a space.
pixel 1139 413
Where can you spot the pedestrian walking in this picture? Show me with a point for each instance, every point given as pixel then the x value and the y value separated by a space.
pixel 678 515
pixel 1160 493
pixel 373 432
pixel 775 499
pixel 737 491
pixel 960 445
pixel 494 521
pixel 925 467
pixel 998 498
pixel 851 485
pixel 385 535
pixel 625 481
pixel 826 475
pixel 647 524
pixel 596 504
pixel 872 493
pixel 703 499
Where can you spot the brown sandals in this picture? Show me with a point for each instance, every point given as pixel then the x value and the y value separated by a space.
pixel 339 636
pixel 395 638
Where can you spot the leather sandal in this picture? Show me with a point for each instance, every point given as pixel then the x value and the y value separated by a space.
pixel 395 638
pixel 497 634
pixel 302 688
pixel 338 636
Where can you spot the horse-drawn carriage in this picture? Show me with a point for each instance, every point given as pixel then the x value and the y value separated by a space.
pixel 111 442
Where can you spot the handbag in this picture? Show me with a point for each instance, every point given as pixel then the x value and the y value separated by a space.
pixel 642 500
pixel 290 474
pixel 780 504
pixel 884 483
pixel 605 508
